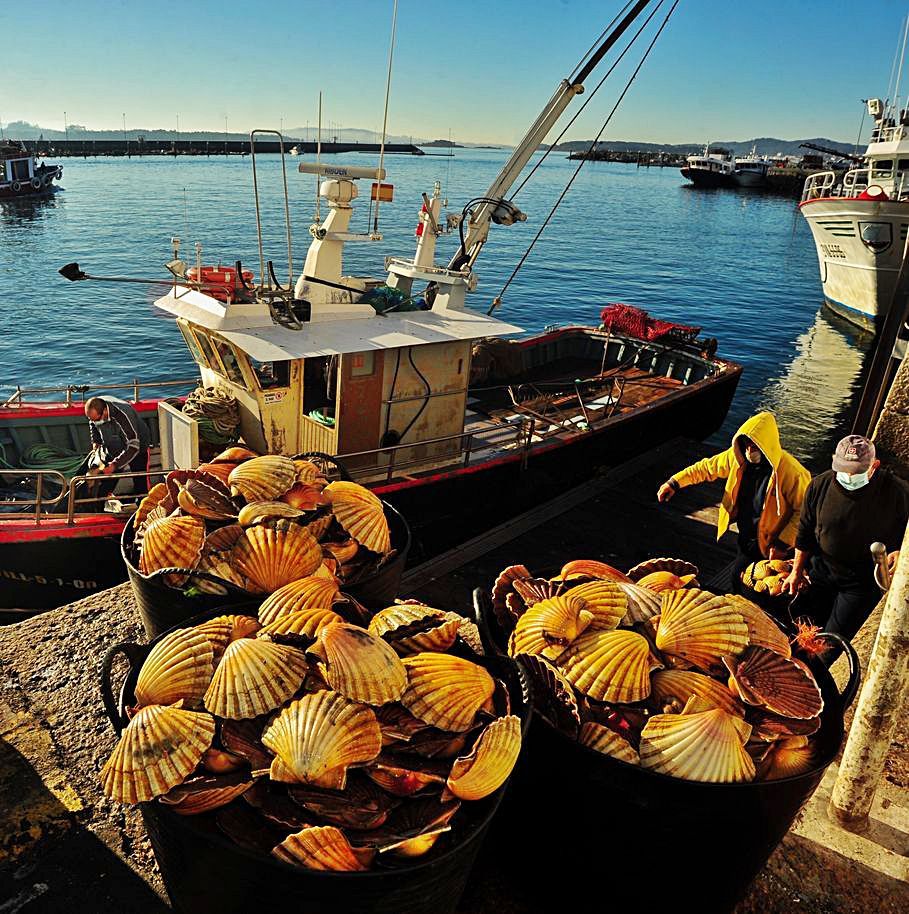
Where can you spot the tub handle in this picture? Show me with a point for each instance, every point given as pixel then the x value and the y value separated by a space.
pixel 851 688
pixel 135 655
pixel 232 589
pixel 482 608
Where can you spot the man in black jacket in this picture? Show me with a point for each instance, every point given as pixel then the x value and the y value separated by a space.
pixel 122 440
pixel 845 510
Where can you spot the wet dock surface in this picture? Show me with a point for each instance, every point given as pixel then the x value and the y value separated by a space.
pixel 64 847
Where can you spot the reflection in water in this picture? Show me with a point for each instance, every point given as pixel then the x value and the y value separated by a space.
pixel 815 399
pixel 18 210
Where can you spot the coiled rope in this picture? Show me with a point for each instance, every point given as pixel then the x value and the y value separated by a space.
pixel 46 457
pixel 217 413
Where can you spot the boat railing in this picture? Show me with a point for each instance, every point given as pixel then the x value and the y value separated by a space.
pixel 41 507
pixel 468 445
pixel 820 184
pixel 19 397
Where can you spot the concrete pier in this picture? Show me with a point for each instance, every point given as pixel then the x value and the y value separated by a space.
pixel 173 147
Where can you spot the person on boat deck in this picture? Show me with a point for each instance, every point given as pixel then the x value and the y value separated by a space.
pixel 846 509
pixel 765 486
pixel 121 440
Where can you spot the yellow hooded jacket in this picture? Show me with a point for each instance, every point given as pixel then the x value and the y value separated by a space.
pixel 785 489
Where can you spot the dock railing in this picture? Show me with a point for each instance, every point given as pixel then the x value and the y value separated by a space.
pixel 19 397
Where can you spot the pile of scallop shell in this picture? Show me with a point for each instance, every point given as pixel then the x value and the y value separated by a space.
pixel 651 670
pixel 767 576
pixel 325 743
pixel 259 523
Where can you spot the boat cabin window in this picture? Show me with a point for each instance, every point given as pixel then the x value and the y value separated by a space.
pixel 20 169
pixel 230 361
pixel 903 165
pixel 882 168
pixel 320 382
pixel 271 374
pixel 208 351
pixel 191 343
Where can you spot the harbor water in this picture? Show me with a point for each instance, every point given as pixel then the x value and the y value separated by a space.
pixel 740 265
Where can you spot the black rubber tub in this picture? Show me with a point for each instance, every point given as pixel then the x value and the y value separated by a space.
pixel 162 607
pixel 648 841
pixel 205 873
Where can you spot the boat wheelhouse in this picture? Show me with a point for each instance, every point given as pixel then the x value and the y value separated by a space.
pixel 751 170
pixel 859 220
pixel 21 176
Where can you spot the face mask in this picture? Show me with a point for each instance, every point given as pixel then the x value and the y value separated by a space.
pixel 853 482
pixel 753 456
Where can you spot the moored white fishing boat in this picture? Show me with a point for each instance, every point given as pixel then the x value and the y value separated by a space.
pixel 710 169
pixel 751 170
pixel 859 220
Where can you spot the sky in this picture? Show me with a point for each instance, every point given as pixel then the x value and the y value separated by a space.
pixel 479 69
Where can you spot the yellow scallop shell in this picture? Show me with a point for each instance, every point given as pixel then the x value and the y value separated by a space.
pixel 192 802
pixel 703 746
pixel 681 685
pixel 157 495
pixel 609 666
pixel 393 625
pixel 172 542
pixel 784 686
pixel 270 557
pixel 262 478
pixel 361 514
pixel 593 569
pixel 762 630
pixel 490 763
pixel 179 666
pixel 549 626
pixel 602 739
pixel 789 757
pixel 221 630
pixel 359 665
pixel 604 600
pixel 254 676
pixel 313 592
pixel 318 737
pixel 157 750
pixel 308 622
pixel 446 691
pixel 700 627
pixel 257 511
pixel 324 847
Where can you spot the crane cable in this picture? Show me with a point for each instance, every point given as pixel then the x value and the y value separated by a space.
pixel 498 299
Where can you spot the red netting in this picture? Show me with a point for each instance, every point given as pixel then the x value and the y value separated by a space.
pixel 638 323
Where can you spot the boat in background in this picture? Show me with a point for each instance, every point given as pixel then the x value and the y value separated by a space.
pixel 859 220
pixel 751 170
pixel 710 169
pixel 21 176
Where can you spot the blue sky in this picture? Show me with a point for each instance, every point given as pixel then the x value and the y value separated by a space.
pixel 479 68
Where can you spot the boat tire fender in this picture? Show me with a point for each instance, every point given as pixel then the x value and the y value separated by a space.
pixel 17 186
pixel 36 183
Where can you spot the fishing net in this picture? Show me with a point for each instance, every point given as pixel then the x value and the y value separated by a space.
pixel 631 321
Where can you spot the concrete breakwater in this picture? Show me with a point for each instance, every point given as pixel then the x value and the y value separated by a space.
pixel 152 147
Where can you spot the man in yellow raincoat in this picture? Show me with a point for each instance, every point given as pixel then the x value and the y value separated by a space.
pixel 765 486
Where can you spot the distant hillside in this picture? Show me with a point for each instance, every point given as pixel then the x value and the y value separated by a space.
pixel 762 145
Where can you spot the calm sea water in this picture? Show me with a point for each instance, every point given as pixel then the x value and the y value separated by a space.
pixel 742 266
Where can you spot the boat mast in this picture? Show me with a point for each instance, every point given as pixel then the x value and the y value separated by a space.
pixel 493 206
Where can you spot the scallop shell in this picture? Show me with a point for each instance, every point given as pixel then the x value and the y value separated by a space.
pixel 602 739
pixel 404 776
pixel 702 746
pixel 468 632
pixel 223 539
pixel 263 478
pixel 221 630
pixel 362 805
pixel 172 542
pixel 319 736
pixel 324 847
pixel 179 666
pixel 768 680
pixel 446 691
pixel 771 727
pixel 218 564
pixel 359 665
pixel 307 472
pixel 533 590
pixel 313 592
pixel 306 622
pixel 234 455
pixel 661 581
pixel 593 569
pixel 678 567
pixel 411 628
pixel 501 589
pixel 176 480
pixel 271 557
pixel 305 497
pixel 254 676
pixel 157 495
pixel 788 757
pixel 490 763
pixel 609 666
pixel 700 628
pixel 206 793
pixel 553 694
pixel 200 499
pixel 257 512
pixel 762 630
pixel 548 627
pixel 413 827
pixel 643 604
pixel 604 600
pixel 319 526
pixel 221 471
pixel 361 514
pixel 681 685
pixel 157 750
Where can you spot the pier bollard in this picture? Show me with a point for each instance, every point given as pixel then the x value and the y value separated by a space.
pixel 879 707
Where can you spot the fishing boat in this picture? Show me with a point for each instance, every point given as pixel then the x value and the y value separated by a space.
pixel 710 169
pixel 452 415
pixel 751 170
pixel 21 176
pixel 859 220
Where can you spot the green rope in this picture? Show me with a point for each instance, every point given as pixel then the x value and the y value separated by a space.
pixel 46 457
